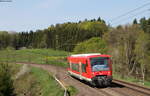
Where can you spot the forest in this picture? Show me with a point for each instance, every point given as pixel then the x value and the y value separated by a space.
pixel 129 45
pixel 61 36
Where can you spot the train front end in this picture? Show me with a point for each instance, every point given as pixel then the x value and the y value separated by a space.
pixel 101 70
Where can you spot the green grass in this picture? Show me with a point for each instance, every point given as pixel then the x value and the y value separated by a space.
pixel 40 56
pixel 37 81
pixel 72 90
pixel 48 85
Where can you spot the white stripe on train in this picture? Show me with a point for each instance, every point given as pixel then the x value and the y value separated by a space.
pixel 80 76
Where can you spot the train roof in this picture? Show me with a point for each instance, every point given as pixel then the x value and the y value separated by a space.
pixel 85 55
pixel 89 55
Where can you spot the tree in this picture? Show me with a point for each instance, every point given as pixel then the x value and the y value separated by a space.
pixel 93 45
pixel 99 19
pixel 121 42
pixel 135 21
pixel 143 24
pixel 5 39
pixel 142 54
pixel 6 83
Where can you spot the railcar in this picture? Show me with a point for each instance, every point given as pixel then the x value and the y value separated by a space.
pixel 94 68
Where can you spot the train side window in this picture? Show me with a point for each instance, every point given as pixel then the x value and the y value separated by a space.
pixel 84 68
pixel 75 67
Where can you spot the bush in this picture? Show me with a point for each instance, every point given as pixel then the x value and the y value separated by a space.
pixel 93 45
pixel 6 83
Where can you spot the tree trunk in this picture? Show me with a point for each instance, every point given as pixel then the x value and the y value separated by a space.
pixel 143 73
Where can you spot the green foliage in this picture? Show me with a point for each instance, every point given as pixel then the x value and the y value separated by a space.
pixel 121 42
pixel 6 82
pixel 92 45
pixel 96 29
pixel 6 39
pixel 129 47
pixel 135 21
pixel 35 82
pixel 61 37
pixel 145 25
pixel 142 54
pixel 72 90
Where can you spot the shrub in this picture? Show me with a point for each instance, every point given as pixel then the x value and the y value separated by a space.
pixel 93 45
pixel 6 83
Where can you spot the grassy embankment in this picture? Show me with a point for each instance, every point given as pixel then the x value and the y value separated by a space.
pixel 132 80
pixel 37 81
pixel 39 56
pixel 34 82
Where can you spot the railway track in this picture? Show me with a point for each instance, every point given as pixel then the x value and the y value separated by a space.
pixel 134 87
pixel 121 88
pixel 117 88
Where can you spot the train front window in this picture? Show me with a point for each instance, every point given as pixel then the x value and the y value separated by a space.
pixel 99 63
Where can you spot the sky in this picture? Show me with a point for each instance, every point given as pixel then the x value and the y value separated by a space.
pixel 26 15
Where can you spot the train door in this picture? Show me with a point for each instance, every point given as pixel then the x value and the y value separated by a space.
pixel 80 70
pixel 84 69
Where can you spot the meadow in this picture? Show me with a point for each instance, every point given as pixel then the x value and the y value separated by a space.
pixel 39 56
pixel 37 81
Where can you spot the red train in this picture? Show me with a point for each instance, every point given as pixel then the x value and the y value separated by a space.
pixel 94 68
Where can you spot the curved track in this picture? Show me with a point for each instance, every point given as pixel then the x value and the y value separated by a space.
pixel 116 89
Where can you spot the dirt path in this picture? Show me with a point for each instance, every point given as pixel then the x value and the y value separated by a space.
pixel 61 73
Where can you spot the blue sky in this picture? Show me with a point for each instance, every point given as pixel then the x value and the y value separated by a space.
pixel 25 15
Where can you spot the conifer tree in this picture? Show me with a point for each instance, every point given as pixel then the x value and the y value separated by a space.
pixel 135 21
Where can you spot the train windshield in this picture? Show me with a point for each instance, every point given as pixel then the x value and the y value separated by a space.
pixel 99 63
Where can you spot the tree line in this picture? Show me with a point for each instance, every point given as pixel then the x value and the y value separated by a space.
pixel 61 36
